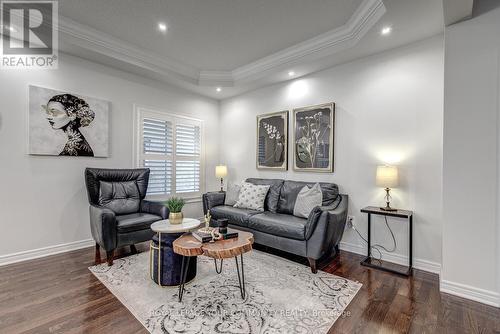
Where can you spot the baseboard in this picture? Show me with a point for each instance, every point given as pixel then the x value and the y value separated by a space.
pixel 420 264
pixel 45 251
pixel 469 292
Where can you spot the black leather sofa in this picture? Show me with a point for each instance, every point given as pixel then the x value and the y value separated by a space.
pixel 119 214
pixel 315 237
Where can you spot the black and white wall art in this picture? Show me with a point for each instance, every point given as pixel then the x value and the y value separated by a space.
pixel 66 124
pixel 272 140
pixel 313 135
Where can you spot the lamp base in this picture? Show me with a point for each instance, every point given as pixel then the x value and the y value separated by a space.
pixel 388 201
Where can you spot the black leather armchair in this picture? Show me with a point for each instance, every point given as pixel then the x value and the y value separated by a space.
pixel 119 214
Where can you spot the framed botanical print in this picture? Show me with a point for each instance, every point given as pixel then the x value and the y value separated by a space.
pixel 272 141
pixel 313 138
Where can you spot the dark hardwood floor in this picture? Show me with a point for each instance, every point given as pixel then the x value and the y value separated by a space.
pixel 58 294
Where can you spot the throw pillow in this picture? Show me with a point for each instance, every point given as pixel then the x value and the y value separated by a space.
pixel 232 194
pixel 307 200
pixel 252 196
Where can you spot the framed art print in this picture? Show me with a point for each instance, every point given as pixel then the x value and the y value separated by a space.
pixel 313 138
pixel 66 124
pixel 272 141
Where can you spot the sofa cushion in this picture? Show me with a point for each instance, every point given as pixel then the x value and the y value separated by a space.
pixel 236 216
pixel 291 189
pixel 307 200
pixel 232 194
pixel 135 222
pixel 120 197
pixel 278 224
pixel 252 196
pixel 273 195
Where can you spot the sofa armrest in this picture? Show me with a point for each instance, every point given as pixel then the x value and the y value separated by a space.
pixel 212 199
pixel 328 229
pixel 103 226
pixel 154 208
pixel 318 213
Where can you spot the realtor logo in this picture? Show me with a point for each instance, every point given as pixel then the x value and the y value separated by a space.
pixel 29 34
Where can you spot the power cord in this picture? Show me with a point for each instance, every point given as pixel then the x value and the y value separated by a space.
pixel 377 246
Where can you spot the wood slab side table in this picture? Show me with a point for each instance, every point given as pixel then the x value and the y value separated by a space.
pixel 188 246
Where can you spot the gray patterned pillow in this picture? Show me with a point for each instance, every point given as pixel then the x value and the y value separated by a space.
pixel 252 196
pixel 232 194
pixel 307 200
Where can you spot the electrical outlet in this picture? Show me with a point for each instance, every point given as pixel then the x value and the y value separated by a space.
pixel 350 221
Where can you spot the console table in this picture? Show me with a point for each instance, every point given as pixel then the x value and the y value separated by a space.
pixel 369 261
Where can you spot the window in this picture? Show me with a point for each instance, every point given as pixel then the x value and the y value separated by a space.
pixel 171 147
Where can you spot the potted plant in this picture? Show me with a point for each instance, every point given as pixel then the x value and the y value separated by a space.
pixel 174 205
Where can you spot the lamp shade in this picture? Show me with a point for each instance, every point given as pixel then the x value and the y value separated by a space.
pixel 220 171
pixel 387 176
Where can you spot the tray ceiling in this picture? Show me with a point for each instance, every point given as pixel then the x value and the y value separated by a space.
pixel 234 44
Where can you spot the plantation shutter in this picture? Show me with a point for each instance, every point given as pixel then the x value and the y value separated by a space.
pixel 157 144
pixel 160 176
pixel 188 149
pixel 157 136
pixel 171 147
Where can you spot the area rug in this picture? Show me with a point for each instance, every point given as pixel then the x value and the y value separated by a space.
pixel 282 296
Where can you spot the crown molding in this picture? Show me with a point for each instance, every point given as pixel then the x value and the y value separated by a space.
pixel 94 40
pixel 211 78
pixel 326 44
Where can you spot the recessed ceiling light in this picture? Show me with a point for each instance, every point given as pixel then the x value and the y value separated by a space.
pixel 291 73
pixel 218 89
pixel 162 27
pixel 386 30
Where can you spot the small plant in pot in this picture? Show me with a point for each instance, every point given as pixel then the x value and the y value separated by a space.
pixel 175 205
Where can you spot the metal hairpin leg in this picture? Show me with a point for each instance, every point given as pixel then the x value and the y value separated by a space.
pixel 184 270
pixel 241 278
pixel 218 271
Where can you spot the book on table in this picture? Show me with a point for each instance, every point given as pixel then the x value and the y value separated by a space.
pixel 229 235
pixel 202 236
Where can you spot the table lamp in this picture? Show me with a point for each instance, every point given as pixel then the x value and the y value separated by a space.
pixel 221 172
pixel 387 177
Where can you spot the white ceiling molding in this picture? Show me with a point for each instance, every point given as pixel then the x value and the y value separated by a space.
pixel 94 40
pixel 213 78
pixel 330 42
pixel 342 38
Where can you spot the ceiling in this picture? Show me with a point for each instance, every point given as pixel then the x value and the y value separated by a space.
pixel 212 34
pixel 238 45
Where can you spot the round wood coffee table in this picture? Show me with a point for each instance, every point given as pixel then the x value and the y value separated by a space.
pixel 188 246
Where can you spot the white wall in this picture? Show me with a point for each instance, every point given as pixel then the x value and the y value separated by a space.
pixel 389 110
pixel 471 232
pixel 43 201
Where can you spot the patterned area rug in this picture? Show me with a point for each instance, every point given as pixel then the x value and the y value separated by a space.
pixel 282 296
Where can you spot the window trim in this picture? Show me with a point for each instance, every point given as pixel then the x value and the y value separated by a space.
pixel 141 112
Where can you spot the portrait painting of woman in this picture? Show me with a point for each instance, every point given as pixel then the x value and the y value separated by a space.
pixel 69 113
pixel 72 125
